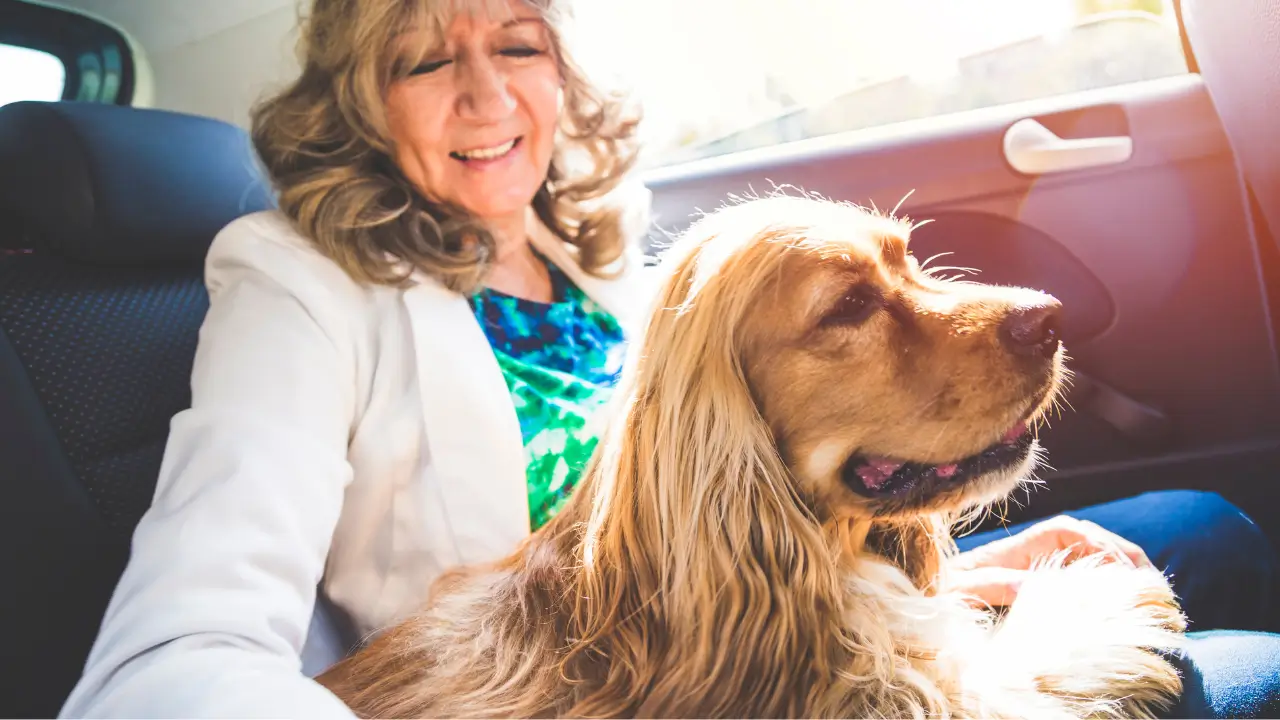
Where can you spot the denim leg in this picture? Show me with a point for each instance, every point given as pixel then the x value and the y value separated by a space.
pixel 1223 568
pixel 1229 674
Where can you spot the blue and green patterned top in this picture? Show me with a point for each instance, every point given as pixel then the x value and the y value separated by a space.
pixel 561 361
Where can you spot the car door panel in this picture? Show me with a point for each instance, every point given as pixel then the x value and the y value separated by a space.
pixel 1155 259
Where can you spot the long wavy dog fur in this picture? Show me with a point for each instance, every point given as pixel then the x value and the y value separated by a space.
pixel 764 529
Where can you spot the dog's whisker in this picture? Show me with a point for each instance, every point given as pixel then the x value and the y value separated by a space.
pixel 919 224
pixel 894 211
pixel 937 396
pixel 1001 512
pixel 932 272
pixel 925 265
pixel 938 438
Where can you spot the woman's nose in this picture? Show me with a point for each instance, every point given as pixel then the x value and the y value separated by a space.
pixel 484 95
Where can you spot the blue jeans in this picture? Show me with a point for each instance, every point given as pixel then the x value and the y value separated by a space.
pixel 1227 575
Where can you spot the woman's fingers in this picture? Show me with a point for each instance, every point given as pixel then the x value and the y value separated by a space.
pixel 992 575
pixel 1083 538
pixel 1131 550
pixel 1063 534
pixel 988 586
pixel 1080 547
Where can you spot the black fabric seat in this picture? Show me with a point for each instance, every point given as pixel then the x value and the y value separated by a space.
pixel 106 214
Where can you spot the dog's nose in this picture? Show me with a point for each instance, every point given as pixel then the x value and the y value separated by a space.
pixel 1033 330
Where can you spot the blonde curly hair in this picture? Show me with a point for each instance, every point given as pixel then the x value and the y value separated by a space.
pixel 324 141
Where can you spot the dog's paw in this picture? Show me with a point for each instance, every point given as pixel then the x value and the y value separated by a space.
pixel 1091 596
pixel 1094 635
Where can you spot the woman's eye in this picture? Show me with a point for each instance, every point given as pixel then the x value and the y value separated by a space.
pixel 429 67
pixel 521 52
pixel 856 307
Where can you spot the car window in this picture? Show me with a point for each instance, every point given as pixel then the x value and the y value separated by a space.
pixel 27 74
pixel 722 76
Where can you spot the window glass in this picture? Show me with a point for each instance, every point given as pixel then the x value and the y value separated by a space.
pixel 721 76
pixel 27 74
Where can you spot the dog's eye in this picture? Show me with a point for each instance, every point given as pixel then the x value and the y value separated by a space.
pixel 857 305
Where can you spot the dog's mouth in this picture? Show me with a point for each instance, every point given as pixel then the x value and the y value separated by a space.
pixel 873 476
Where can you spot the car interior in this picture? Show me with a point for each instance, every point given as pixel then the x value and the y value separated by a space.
pixel 1145 203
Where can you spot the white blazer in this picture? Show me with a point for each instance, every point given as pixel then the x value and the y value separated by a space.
pixel 357 438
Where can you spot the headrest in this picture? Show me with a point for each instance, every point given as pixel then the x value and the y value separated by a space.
pixel 118 185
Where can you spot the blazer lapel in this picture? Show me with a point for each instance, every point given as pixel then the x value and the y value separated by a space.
pixel 472 432
pixel 625 296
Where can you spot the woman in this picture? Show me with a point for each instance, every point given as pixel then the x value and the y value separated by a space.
pixel 398 369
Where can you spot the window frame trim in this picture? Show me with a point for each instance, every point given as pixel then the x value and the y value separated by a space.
pixel 68 36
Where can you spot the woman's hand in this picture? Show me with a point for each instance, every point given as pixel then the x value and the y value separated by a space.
pixel 991 574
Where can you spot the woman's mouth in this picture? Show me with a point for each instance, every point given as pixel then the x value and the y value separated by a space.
pixel 489 154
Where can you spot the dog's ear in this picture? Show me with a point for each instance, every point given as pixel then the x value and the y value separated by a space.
pixel 699 545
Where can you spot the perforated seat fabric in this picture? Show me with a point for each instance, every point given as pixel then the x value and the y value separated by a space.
pixel 108 352
pixel 106 214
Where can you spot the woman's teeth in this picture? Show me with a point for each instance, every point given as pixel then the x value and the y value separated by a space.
pixel 491 153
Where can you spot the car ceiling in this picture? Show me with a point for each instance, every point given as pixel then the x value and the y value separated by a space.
pixel 160 25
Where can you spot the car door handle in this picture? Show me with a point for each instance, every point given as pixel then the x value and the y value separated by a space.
pixel 1033 149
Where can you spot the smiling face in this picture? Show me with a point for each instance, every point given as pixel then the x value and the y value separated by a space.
pixel 889 392
pixel 474 120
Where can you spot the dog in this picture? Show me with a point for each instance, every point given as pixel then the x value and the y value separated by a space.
pixel 765 527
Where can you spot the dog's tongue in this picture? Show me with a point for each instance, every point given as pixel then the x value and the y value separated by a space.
pixel 877 471
pixel 1015 432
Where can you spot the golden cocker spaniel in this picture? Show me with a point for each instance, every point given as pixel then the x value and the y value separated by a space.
pixel 764 529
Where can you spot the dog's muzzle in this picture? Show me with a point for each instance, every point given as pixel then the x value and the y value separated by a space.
pixel 871 476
